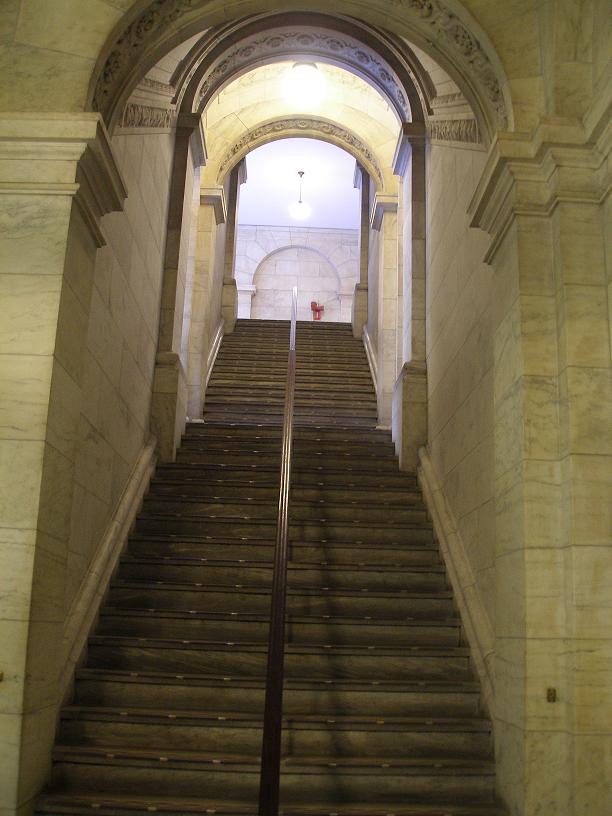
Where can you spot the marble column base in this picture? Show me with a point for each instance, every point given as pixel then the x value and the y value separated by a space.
pixel 168 404
pixel 409 414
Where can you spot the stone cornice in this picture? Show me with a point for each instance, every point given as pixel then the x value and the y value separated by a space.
pixel 302 125
pixel 411 134
pixel 63 155
pixel 531 176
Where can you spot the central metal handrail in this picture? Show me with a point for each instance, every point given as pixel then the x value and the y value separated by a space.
pixel 269 781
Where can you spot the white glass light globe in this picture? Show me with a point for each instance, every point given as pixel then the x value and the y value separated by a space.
pixel 299 210
pixel 304 85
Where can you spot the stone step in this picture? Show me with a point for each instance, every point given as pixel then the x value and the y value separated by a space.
pixel 236 693
pixel 350 780
pixel 305 735
pixel 324 531
pixel 299 629
pixel 366 579
pixel 300 510
pixel 316 476
pixel 247 598
pixel 205 490
pixel 256 550
pixel 108 805
pixel 307 531
pixel 351 436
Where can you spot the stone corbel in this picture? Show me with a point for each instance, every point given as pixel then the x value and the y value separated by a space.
pixel 215 197
pixel 383 202
pixel 411 134
pixel 193 122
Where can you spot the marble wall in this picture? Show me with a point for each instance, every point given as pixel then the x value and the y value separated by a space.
pixel 121 343
pixel 465 301
pixel 322 263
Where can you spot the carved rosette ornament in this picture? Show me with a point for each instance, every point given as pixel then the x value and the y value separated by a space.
pixel 431 18
pixel 314 43
pixel 447 27
pixel 284 126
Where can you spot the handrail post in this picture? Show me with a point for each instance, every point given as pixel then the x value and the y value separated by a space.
pixel 269 781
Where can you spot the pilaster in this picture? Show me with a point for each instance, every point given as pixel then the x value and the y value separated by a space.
pixel 58 179
pixel 543 202
pixel 168 408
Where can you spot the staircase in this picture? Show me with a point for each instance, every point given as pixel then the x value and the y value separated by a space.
pixel 382 713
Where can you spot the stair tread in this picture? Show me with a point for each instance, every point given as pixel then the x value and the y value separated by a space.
pixel 432 686
pixel 391 569
pixel 290 648
pixel 84 753
pixel 394 722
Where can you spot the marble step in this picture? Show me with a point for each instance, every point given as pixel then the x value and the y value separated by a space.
pixel 300 509
pixel 350 436
pixel 302 735
pixel 350 780
pixel 258 550
pixel 299 629
pixel 247 598
pixel 108 805
pixel 236 693
pixel 301 660
pixel 367 578
pixel 335 531
pixel 207 490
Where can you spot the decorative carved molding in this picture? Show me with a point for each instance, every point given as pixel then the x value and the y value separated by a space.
pixel 146 116
pixel 431 17
pixel 454 130
pixel 159 87
pixel 448 100
pixel 312 42
pixel 322 127
pixel 445 26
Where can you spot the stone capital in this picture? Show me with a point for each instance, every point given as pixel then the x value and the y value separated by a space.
pixel 192 122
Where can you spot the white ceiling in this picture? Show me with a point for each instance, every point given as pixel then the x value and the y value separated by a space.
pixel 273 184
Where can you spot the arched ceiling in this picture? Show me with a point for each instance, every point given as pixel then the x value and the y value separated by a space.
pixel 441 29
pixel 254 110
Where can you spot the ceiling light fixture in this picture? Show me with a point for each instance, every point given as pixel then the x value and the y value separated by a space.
pixel 304 85
pixel 299 209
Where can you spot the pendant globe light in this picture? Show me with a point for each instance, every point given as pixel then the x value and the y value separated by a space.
pixel 300 210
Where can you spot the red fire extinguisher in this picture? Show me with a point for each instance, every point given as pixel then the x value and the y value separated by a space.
pixel 316 310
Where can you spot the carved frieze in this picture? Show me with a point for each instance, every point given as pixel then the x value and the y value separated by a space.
pixel 454 130
pixel 146 116
pixel 308 125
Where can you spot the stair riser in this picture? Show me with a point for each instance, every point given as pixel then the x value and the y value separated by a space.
pixel 364 513
pixel 335 554
pixel 257 632
pixel 372 481
pixel 253 664
pixel 200 430
pixel 339 787
pixel 255 576
pixel 205 492
pixel 315 740
pixel 307 532
pixel 250 700
pixel 297 604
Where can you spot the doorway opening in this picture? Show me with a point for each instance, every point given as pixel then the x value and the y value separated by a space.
pixel 298 225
